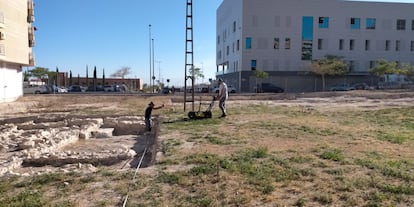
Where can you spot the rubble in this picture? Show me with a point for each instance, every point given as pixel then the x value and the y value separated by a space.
pixel 41 141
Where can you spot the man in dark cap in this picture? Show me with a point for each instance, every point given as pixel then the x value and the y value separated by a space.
pixel 148 112
pixel 222 96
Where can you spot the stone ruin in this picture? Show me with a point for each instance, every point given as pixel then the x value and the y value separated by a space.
pixel 65 142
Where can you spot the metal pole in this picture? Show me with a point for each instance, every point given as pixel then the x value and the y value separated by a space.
pixel 150 53
pixel 153 73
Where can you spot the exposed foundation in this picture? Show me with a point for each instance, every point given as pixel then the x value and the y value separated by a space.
pixel 54 142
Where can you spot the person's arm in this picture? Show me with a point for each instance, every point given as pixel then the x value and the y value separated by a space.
pixel 158 107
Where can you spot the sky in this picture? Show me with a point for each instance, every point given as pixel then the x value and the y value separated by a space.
pixel 111 34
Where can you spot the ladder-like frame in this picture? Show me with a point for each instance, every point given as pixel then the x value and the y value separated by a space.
pixel 189 55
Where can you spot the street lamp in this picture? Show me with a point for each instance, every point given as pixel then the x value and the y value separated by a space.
pixel 153 73
pixel 150 55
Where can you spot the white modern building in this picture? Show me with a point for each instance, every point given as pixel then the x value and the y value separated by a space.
pixel 281 37
pixel 16 42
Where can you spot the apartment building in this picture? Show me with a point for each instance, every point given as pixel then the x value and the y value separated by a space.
pixel 16 41
pixel 282 37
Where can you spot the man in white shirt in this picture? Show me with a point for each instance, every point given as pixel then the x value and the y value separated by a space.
pixel 222 96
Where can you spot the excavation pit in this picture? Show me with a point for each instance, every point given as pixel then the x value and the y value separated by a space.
pixel 32 145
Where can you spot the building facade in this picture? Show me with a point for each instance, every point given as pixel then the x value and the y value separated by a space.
pixel 16 41
pixel 282 37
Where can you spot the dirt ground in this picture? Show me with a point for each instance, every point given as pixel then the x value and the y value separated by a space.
pixel 134 105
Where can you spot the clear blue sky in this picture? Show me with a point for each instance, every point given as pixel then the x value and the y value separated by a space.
pixel 111 34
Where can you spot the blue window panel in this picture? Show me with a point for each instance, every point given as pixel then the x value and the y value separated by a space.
pixel 248 43
pixel 323 22
pixel 307 28
pixel 370 23
pixel 355 23
pixel 253 64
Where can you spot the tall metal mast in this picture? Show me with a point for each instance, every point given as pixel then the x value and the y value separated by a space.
pixel 189 55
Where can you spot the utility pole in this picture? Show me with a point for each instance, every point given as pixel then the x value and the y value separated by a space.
pixel 189 55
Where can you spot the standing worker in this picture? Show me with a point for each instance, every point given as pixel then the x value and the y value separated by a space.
pixel 222 96
pixel 148 112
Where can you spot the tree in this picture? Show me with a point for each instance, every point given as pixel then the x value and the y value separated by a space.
pixel 122 72
pixel 383 67
pixel 260 74
pixel 70 77
pixel 329 65
pixel 408 70
pixel 198 73
pixel 94 78
pixel 39 72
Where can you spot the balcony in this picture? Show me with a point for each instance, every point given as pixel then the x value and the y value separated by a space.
pixel 30 18
pixel 30 8
pixel 31 37
pixel 31 59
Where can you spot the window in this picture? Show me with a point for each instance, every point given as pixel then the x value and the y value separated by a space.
pixel 228 50
pixel 248 43
pixel 253 64
pixel 367 45
pixel 371 64
pixel 351 66
pixel 387 45
pixel 355 23
pixel 397 45
pixel 219 55
pixel 320 41
pixel 341 44
pixel 324 22
pixel 218 39
pixel 412 46
pixel 371 23
pixel 287 43
pixel 412 24
pixel 234 26
pixel 276 43
pixel 400 24
pixel 233 47
pixel 351 44
pixel 238 45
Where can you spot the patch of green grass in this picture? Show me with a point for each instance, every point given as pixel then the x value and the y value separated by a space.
pixel 323 198
pixel 393 168
pixel 44 179
pixel 332 154
pixel 168 146
pixel 218 141
pixel 301 202
pixel 25 198
pixel 395 138
pixel 170 178
pixel 397 189
pixel 88 179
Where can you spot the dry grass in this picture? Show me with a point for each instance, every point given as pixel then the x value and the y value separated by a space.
pixel 266 153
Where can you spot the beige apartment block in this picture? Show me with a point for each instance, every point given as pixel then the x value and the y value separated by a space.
pixel 17 39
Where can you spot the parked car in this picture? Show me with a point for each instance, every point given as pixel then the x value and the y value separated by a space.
pixel 75 88
pixel 165 90
pixel 43 89
pixel 342 87
pixel 361 86
pixel 268 88
pixel 230 89
pixel 109 88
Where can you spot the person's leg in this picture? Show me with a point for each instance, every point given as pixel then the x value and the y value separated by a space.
pixel 222 105
pixel 148 125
